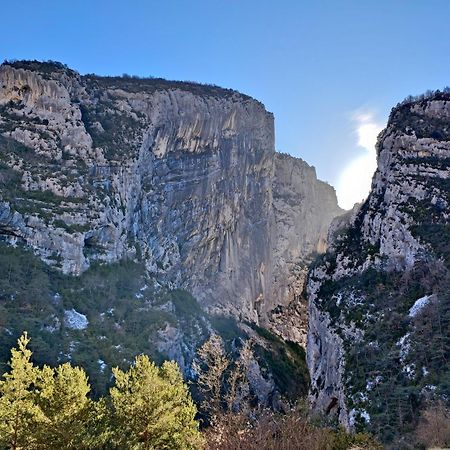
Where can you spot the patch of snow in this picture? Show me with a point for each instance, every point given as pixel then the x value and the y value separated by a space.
pixel 419 305
pixel 102 364
pixel 405 346
pixel 168 307
pixel 348 298
pixel 109 312
pixel 73 346
pixel 429 388
pixel 53 325
pixel 410 370
pixel 425 371
pixel 143 288
pixel 356 414
pixel 355 299
pixel 365 415
pixel 75 320
pixel 360 397
pixel 64 356
pixel 372 383
pixel 138 295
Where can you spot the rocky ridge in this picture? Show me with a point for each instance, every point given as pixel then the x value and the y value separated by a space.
pixel 366 352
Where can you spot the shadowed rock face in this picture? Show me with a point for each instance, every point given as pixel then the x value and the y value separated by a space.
pixel 386 254
pixel 182 176
pixel 303 210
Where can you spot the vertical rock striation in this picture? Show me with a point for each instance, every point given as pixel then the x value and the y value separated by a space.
pixel 303 210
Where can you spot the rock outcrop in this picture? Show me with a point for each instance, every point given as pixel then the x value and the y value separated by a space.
pixel 181 176
pixel 392 251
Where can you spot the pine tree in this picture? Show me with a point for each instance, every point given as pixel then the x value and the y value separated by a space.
pixel 63 399
pixel 152 408
pixel 19 413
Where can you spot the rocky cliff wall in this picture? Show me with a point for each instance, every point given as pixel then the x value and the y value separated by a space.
pixel 366 344
pixel 303 210
pixel 181 176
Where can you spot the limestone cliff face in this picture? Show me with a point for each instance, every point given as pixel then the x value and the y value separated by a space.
pixel 303 210
pixel 391 254
pixel 181 176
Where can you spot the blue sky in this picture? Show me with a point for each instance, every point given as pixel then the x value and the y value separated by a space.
pixel 330 70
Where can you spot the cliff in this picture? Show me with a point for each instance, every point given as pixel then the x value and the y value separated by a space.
pixel 186 175
pixel 178 182
pixel 376 297
pixel 303 209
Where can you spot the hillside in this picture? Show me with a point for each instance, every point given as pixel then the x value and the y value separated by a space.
pixel 379 300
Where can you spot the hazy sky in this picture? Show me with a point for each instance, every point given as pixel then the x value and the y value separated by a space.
pixel 330 71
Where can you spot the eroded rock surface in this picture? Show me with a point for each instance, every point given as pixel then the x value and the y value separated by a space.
pixel 181 176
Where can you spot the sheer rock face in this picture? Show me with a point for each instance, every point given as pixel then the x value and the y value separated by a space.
pixel 181 175
pixel 303 208
pixel 385 235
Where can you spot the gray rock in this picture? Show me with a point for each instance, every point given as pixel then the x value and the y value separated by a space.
pixel 409 190
pixel 181 175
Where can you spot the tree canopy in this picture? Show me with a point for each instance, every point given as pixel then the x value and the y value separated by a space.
pixel 149 407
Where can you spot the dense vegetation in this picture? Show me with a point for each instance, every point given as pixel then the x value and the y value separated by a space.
pixel 123 310
pixel 397 354
pixel 126 315
pixel 400 365
pixel 149 407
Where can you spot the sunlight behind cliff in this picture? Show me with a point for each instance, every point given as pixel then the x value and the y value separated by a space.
pixel 354 181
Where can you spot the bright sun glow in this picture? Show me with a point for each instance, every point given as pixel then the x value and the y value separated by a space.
pixel 354 181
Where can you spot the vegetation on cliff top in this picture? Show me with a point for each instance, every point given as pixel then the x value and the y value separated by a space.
pixel 129 83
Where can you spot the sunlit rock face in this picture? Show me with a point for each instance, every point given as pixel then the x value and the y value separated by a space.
pixel 385 255
pixel 181 176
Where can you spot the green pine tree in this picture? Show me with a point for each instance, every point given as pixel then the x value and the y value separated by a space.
pixel 19 413
pixel 63 400
pixel 152 408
